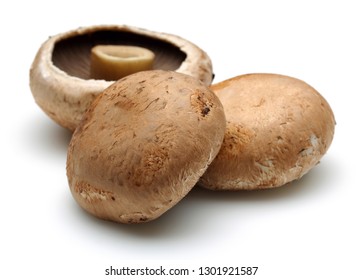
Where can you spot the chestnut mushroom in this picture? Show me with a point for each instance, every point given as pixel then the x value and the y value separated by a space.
pixel 61 78
pixel 143 144
pixel 278 128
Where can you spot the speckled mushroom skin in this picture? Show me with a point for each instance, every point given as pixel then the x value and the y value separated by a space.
pixel 278 128
pixel 60 73
pixel 143 144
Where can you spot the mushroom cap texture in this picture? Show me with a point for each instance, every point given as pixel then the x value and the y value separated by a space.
pixel 143 144
pixel 278 128
pixel 60 78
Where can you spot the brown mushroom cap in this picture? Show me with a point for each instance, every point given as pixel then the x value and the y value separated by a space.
pixel 143 144
pixel 60 74
pixel 278 128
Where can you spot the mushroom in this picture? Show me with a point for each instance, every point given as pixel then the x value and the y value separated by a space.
pixel 278 128
pixel 143 144
pixel 60 75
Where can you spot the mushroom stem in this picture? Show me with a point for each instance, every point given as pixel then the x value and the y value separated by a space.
pixel 112 62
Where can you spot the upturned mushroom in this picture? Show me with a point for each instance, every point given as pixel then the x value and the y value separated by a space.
pixel 278 128
pixel 143 144
pixel 64 81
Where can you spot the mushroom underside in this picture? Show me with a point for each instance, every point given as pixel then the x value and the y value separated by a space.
pixel 72 55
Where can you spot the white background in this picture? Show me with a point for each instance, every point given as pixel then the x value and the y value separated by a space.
pixel 310 229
